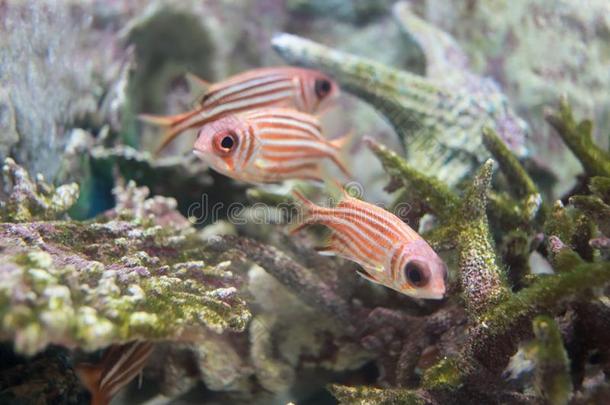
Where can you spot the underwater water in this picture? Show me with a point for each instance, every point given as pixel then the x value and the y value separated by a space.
pixel 304 202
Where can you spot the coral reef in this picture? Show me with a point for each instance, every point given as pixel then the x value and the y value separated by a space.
pixel 136 273
pixel 236 311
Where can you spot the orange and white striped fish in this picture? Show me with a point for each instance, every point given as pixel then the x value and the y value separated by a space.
pixel 305 90
pixel 119 365
pixel 268 146
pixel 390 252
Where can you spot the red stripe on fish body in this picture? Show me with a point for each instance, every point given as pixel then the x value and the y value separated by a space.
pixel 268 145
pixel 303 89
pixel 390 252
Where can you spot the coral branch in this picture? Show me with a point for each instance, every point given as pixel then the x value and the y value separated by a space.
pixel 520 182
pixel 553 381
pixel 435 194
pixel 594 208
pixel 600 186
pixel 577 136
pixel 428 117
pixel 495 339
pixel 483 282
pixel 296 277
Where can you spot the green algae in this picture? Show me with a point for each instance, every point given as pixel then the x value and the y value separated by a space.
pixel 483 282
pixel 446 374
pixel 375 396
pixel 552 380
pixel 434 193
pixel 595 208
pixel 113 279
pixel 578 137
pixel 520 182
pixel 92 309
pixel 32 199
pixel 600 186
pixel 545 294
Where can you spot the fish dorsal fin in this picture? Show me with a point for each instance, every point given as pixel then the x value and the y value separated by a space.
pixel 197 83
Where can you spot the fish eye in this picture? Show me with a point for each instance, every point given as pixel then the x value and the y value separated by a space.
pixel 322 87
pixel 417 274
pixel 225 142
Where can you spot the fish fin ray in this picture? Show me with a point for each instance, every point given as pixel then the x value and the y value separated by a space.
pixel 118 366
pixel 341 145
pixel 369 277
pixel 326 251
pixel 197 81
pixel 307 215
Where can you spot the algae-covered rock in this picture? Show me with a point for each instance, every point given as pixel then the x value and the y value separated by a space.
pixel 30 199
pixel 140 272
pixel 376 396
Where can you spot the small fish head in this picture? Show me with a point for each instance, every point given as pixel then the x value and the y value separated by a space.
pixel 322 91
pixel 422 273
pixel 219 143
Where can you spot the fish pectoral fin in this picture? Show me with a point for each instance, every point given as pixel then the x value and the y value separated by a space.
pixel 368 277
pixel 326 251
pixel 260 164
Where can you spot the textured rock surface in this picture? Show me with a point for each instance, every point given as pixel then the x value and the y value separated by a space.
pixel 139 272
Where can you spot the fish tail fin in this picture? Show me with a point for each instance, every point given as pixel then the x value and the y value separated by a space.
pixel 168 137
pixel 306 216
pixel 341 145
pixel 119 365
pixel 342 141
pixel 90 376
pixel 167 120
pixel 336 184
pixel 172 123
pixel 306 202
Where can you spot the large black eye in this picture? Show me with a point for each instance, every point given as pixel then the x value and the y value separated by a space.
pixel 227 142
pixel 323 87
pixel 417 274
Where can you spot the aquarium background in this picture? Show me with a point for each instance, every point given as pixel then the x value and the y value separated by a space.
pixel 103 242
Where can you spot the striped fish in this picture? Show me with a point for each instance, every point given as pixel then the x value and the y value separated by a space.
pixel 390 252
pixel 267 146
pixel 119 365
pixel 302 89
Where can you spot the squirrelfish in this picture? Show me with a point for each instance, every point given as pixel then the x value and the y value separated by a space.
pixel 119 365
pixel 305 90
pixel 390 252
pixel 268 145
